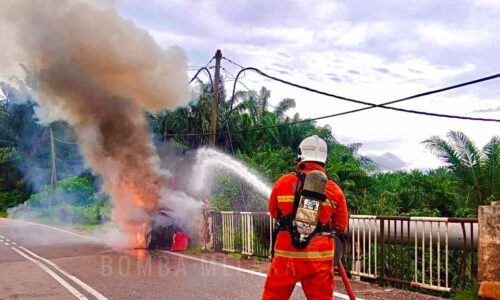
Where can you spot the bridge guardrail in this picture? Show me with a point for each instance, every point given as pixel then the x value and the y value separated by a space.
pixel 421 252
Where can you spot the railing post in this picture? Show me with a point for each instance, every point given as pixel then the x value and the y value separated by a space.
pixel 390 247
pixel 382 250
pixel 489 251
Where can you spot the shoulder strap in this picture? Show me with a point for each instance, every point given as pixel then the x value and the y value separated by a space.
pixel 332 203
pixel 298 188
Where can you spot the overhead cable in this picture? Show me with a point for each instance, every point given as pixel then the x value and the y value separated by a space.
pixel 372 105
pixel 367 104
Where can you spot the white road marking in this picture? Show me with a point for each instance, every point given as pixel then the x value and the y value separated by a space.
pixel 339 295
pixel 216 263
pixel 6 244
pixel 54 228
pixel 85 286
pixel 57 229
pixel 13 243
pixel 1 236
pixel 7 240
pixel 64 283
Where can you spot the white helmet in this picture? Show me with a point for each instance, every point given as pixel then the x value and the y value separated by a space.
pixel 313 148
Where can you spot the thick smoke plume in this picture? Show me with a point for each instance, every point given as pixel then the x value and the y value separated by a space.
pixel 99 73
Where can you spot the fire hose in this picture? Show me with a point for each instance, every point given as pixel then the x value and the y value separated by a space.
pixel 339 249
pixel 345 280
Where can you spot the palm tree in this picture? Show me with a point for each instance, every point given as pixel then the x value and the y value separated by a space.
pixel 366 162
pixel 491 166
pixel 476 170
pixel 263 100
pixel 283 106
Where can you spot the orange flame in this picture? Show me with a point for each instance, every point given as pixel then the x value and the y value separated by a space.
pixel 142 200
pixel 138 199
pixel 141 236
pixel 141 254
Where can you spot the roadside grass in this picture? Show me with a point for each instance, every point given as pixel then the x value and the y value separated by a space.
pixel 260 259
pixel 236 254
pixel 195 250
pixel 4 214
pixel 470 292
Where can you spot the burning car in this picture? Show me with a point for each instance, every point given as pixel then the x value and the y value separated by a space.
pixel 165 234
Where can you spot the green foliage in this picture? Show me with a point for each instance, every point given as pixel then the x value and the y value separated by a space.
pixel 71 200
pixel 229 193
pixel 477 172
pixel 73 190
pixel 471 176
pixel 12 198
pixel 8 199
pixel 470 292
pixel 269 162
pixel 224 191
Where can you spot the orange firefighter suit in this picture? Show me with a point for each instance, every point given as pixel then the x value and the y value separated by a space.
pixel 313 265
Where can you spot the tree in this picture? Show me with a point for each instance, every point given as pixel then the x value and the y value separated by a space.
pixel 283 106
pixel 476 171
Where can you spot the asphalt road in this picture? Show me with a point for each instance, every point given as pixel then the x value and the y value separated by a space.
pixel 42 262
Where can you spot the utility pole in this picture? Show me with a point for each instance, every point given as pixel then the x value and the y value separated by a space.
pixel 53 177
pixel 215 104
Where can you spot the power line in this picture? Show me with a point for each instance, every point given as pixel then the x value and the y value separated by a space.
pixel 211 60
pixel 65 142
pixel 234 78
pixel 205 68
pixel 372 105
pixel 445 89
pixel 282 124
pixel 234 63
pixel 368 104
pixel 209 76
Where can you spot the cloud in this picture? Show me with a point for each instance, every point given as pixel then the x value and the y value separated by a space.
pixel 494 5
pixel 493 109
pixel 373 51
pixel 445 36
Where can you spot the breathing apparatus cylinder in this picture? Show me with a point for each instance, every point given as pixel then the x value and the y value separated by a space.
pixel 310 199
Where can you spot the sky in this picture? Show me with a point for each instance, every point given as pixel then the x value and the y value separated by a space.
pixel 374 51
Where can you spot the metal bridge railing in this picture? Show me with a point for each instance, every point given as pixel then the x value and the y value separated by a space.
pixel 229 231
pixel 422 252
pixel 364 246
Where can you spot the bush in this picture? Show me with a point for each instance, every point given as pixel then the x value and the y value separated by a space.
pixel 12 198
pixel 76 191
pixel 72 200
pixel 81 215
pixel 231 193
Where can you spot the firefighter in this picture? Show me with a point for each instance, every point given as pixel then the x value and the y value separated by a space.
pixel 299 257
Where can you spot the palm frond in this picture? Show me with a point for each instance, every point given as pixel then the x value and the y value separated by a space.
pixel 465 148
pixel 353 148
pixel 491 165
pixel 444 151
pixel 284 105
pixel 492 147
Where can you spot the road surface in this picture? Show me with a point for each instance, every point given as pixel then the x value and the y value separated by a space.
pixel 43 262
